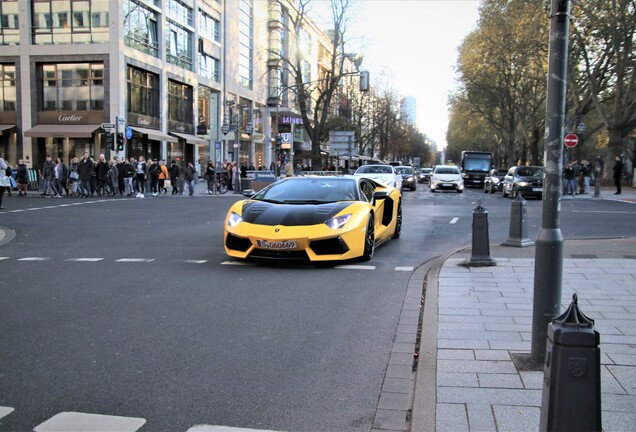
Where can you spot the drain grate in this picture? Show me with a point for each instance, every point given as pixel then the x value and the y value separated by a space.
pixel 583 256
pixel 629 256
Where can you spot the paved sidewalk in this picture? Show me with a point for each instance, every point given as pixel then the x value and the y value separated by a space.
pixel 467 381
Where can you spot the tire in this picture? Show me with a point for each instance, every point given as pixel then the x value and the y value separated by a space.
pixel 369 240
pixel 514 193
pixel 398 222
pixel 485 190
pixel 460 191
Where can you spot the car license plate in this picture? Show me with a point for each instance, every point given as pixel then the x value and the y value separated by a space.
pixel 278 245
pixel 537 189
pixel 447 185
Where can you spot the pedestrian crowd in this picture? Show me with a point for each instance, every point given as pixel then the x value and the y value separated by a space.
pixel 577 176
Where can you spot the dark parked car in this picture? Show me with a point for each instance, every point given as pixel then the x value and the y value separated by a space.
pixel 524 180
pixel 409 179
pixel 494 181
pixel 425 175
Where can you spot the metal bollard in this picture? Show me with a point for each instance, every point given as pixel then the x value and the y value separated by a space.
pixel 571 398
pixel 480 254
pixel 518 233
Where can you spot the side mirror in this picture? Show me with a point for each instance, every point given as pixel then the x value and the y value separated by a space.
pixel 248 193
pixel 381 194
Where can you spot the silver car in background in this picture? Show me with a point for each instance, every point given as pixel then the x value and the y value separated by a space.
pixel 384 174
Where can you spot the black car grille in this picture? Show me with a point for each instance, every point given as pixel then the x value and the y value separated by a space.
pixel 237 243
pixel 281 255
pixel 332 246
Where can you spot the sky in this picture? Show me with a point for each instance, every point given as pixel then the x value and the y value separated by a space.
pixel 411 45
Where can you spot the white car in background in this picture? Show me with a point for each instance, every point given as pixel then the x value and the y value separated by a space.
pixel 384 174
pixel 447 177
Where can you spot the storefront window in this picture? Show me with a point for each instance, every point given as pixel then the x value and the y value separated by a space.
pixel 180 103
pixel 8 93
pixel 73 87
pixel 140 27
pixel 70 21
pixel 143 92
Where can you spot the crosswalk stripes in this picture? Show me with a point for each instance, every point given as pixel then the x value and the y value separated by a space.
pixel 188 261
pixel 82 422
pixel 72 421
pixel 5 411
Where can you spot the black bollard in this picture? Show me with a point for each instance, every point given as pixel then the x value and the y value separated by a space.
pixel 480 254
pixel 518 233
pixel 572 374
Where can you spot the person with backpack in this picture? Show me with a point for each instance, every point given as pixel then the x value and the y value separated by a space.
pixel 22 178
pixel 174 173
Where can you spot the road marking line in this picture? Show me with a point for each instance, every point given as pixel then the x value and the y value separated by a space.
pixel 135 260
pixel 35 208
pixel 16 211
pixel 195 261
pixel 454 220
pixel 77 421
pixel 5 411
pixel 238 263
pixel 215 428
pixel 355 267
pixel 84 259
pixel 4 258
pixel 405 268
pixel 34 259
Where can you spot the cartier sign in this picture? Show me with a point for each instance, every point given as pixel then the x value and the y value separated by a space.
pixel 70 117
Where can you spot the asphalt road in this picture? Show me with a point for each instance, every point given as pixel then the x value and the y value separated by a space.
pixel 131 308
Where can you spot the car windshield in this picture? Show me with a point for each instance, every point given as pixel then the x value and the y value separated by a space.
pixel 449 170
pixel 529 172
pixel 404 170
pixel 426 170
pixel 309 190
pixel 374 169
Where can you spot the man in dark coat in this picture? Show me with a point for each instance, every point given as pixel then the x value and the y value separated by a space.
pixel 618 173
pixel 85 169
pixel 101 172
pixel 47 175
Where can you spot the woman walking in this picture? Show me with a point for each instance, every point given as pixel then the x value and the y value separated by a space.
pixel 141 177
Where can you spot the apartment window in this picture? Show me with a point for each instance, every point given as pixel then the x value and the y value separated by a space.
pixel 9 29
pixel 179 12
pixel 143 92
pixel 8 90
pixel 69 21
pixel 72 87
pixel 179 102
pixel 178 45
pixel 209 67
pixel 140 27
pixel 209 27
pixel 246 43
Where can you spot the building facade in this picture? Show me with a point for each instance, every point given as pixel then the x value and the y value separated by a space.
pixel 185 80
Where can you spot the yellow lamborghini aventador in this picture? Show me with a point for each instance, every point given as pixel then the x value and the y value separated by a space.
pixel 317 218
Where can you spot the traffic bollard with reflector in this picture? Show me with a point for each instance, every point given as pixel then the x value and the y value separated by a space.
pixel 518 233
pixel 480 253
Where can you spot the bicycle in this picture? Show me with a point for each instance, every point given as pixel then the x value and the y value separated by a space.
pixel 220 185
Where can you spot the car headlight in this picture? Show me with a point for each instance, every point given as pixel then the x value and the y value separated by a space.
pixel 524 184
pixel 337 221
pixel 234 219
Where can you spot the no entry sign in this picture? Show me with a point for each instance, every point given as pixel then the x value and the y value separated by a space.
pixel 571 140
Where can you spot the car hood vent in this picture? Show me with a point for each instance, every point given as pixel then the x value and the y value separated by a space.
pixel 263 213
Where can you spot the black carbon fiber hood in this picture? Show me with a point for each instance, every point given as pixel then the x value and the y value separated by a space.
pixel 264 213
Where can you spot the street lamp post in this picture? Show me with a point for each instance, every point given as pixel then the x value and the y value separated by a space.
pixel 231 122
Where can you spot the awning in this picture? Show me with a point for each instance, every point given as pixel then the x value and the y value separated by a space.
pixel 4 127
pixel 191 139
pixel 155 134
pixel 62 131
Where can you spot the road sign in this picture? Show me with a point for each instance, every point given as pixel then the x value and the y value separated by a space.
pixel 571 140
pixel 129 132
pixel 286 137
pixel 108 125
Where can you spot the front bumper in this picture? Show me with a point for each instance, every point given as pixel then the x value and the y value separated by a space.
pixel 314 243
